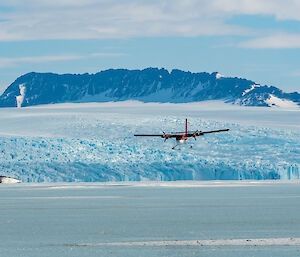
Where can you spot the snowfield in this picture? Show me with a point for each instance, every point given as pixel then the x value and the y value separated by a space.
pixel 95 142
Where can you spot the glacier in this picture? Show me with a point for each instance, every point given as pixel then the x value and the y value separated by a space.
pixel 94 142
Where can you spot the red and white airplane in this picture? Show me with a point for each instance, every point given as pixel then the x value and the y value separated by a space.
pixel 181 137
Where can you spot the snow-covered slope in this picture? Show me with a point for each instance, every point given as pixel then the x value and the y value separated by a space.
pixel 95 142
pixel 148 85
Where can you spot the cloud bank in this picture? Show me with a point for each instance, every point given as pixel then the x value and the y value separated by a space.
pixel 99 19
pixel 275 41
pixel 8 62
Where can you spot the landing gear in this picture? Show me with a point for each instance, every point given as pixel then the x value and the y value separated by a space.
pixel 177 146
pixel 180 143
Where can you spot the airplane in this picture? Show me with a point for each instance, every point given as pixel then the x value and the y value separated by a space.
pixel 181 137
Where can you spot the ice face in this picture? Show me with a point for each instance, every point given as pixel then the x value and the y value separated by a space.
pixel 95 142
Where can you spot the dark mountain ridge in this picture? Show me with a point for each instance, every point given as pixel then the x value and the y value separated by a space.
pixel 148 85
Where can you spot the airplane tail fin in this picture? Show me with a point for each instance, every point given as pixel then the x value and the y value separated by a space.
pixel 186 126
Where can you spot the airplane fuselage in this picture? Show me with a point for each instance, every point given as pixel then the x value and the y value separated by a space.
pixel 181 139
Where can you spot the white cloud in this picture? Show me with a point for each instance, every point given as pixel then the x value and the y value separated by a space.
pixel 8 62
pixel 285 10
pixel 93 19
pixel 276 41
pixel 108 54
pixel 295 73
pixel 80 19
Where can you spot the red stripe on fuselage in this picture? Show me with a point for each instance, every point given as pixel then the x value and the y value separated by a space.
pixel 181 137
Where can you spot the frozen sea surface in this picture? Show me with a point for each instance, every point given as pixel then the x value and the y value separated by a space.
pixel 94 142
pixel 112 219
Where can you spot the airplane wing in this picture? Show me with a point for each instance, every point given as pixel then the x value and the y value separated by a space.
pixel 166 136
pixel 213 131
pixel 148 135
pixel 176 134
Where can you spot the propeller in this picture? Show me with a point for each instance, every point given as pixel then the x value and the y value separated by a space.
pixel 166 136
pixel 195 134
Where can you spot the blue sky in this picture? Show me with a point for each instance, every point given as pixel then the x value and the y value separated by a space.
pixel 254 39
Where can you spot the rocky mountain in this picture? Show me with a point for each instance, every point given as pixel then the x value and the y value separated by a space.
pixel 148 85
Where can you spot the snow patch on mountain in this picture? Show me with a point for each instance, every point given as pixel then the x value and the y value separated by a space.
pixel 218 76
pixel 20 98
pixel 250 89
pixel 283 103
